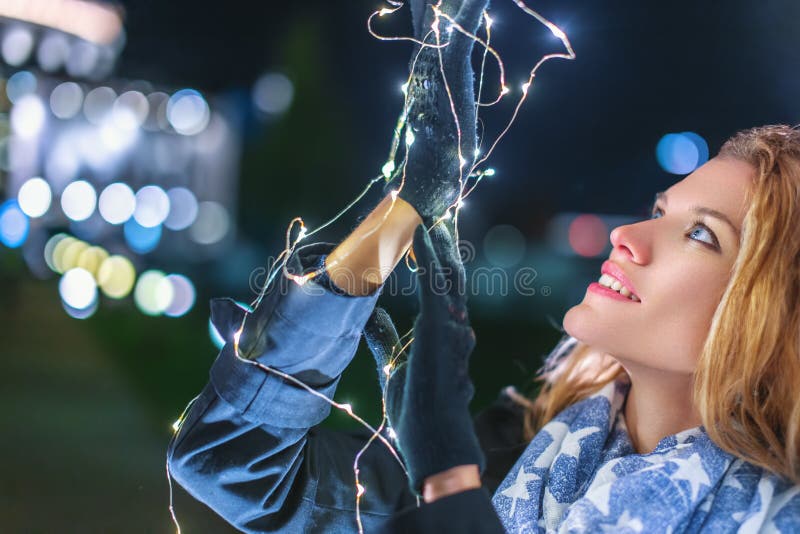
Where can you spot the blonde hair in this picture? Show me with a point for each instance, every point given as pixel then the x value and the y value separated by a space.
pixel 747 381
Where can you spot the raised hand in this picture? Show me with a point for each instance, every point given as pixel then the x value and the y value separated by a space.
pixel 427 395
pixel 441 104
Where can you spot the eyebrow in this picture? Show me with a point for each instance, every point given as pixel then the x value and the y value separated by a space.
pixel 661 196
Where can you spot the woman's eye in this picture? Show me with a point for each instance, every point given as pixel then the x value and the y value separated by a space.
pixel 699 231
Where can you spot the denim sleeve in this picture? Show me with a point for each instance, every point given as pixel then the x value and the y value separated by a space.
pixel 249 448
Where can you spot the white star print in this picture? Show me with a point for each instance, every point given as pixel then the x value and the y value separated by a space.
pixel 625 522
pixel 599 496
pixel 692 471
pixel 777 504
pixel 765 492
pixel 564 442
pixel 519 489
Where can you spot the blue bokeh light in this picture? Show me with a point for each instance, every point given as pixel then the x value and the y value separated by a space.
pixel 14 224
pixel 140 239
pixel 700 143
pixel 681 153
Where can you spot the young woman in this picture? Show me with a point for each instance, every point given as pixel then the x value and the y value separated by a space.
pixel 671 407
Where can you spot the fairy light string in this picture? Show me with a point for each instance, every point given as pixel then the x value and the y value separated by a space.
pixel 469 177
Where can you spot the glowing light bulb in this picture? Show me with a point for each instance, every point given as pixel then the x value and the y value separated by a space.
pixel 409 137
pixel 302 233
pixel 392 433
pixel 388 169
pixel 361 490
pixel 461 204
pixel 489 172
pixel 177 424
pixel 462 160
pixel 387 369
pixel 384 11
pixel 448 214
pixel 347 408
pixel 489 19
pixel 404 88
pixel 394 194
pixel 525 87
pixel 477 152
pixel 505 90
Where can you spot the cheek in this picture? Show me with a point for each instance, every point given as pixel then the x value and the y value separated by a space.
pixel 681 318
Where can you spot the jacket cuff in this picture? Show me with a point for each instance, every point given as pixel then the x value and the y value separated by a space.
pixel 306 331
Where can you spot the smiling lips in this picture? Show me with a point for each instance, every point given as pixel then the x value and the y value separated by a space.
pixel 613 282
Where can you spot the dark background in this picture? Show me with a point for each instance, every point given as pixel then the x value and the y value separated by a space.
pixel 87 405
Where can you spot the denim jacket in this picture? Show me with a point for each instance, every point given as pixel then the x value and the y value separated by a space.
pixel 251 448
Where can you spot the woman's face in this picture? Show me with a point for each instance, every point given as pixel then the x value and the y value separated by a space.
pixel 677 264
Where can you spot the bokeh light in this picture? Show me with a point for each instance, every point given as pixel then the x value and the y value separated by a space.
pixel 78 288
pixel 84 313
pixel 59 248
pixel 68 256
pixel 17 45
pixel 141 239
pixel 153 292
pixel 152 206
pixel 700 144
pixel 504 245
pixel 49 249
pixel 216 337
pixel 183 296
pixel 130 110
pixel 27 116
pixel 588 235
pixel 91 259
pixel 187 112
pixel 157 115
pixel 117 203
pixel 66 100
pixel 34 197
pixel 98 103
pixel 681 153
pixel 19 84
pixel 212 224
pixel 53 51
pixel 182 208
pixel 14 224
pixel 78 200
pixel 82 60
pixel 272 93
pixel 115 276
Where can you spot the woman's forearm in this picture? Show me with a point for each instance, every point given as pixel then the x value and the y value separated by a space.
pixel 363 261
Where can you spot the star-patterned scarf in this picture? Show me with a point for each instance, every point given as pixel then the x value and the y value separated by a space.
pixel 580 473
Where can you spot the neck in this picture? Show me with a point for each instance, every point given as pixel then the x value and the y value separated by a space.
pixel 659 404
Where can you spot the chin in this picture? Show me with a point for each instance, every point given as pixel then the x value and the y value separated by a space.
pixel 584 324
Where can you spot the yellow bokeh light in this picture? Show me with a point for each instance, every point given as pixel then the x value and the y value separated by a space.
pixel 58 253
pixel 91 258
pixel 116 276
pixel 69 258
pixel 153 293
pixel 50 247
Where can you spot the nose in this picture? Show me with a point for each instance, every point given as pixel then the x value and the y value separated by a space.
pixel 632 242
